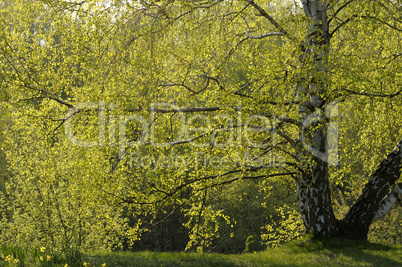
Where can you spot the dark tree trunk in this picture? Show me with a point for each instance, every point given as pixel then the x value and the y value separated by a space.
pixel 315 203
pixel 373 198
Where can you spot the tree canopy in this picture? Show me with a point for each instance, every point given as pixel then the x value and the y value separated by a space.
pixel 121 119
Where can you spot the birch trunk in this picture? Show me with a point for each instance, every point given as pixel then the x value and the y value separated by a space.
pixel 313 186
pixel 313 190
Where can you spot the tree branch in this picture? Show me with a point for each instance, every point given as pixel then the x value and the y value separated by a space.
pixel 253 37
pixel 265 15
pixel 383 22
pixel 339 10
pixel 186 110
pixel 342 24
pixel 50 94
pixel 25 84
pixel 374 95
pixel 264 35
pixel 388 202
pixel 371 203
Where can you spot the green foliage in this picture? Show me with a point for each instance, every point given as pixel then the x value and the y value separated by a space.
pixel 252 244
pixel 287 228
pixel 125 57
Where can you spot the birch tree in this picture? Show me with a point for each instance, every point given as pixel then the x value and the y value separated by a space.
pixel 134 87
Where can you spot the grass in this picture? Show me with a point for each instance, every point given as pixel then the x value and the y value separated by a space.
pixel 300 253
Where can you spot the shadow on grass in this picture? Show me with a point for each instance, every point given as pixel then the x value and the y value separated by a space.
pixel 163 259
pixel 301 253
pixel 347 253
